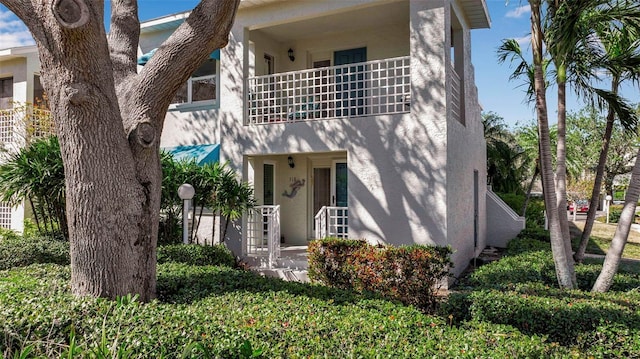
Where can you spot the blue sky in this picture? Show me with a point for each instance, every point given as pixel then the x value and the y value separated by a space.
pixel 510 19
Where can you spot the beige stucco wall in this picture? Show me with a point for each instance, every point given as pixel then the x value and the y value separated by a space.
pixel 397 165
pixel 466 153
pixel 410 175
pixel 22 67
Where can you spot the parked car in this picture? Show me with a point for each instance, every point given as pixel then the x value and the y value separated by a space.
pixel 582 205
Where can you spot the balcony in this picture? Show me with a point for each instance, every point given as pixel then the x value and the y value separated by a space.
pixel 25 123
pixel 381 87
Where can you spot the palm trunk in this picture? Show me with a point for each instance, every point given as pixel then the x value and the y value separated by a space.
pixel 597 182
pixel 536 171
pixel 563 271
pixel 561 169
pixel 35 214
pixel 614 254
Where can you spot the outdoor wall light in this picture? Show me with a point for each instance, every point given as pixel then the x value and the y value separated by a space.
pixel 291 57
pixel 186 193
pixel 290 160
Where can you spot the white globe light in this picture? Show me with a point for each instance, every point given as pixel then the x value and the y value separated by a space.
pixel 186 191
pixel 608 197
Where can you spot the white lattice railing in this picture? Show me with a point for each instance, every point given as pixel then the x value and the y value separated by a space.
pixel 362 89
pixel 25 120
pixel 332 222
pixel 263 232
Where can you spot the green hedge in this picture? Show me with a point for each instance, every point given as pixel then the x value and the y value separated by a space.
pixel 535 208
pixel 239 310
pixel 16 251
pixel 196 254
pixel 409 274
pixel 521 290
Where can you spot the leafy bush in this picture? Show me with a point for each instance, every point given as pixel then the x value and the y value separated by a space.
pixel 408 273
pixel 16 251
pixel 615 210
pixel 562 315
pixel 241 314
pixel 195 254
pixel 535 208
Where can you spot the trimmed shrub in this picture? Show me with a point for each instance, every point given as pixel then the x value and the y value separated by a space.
pixel 17 251
pixel 243 316
pixel 195 254
pixel 331 261
pixel 409 274
pixel 535 208
pixel 564 316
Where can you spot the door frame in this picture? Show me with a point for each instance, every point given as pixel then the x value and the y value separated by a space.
pixel 322 162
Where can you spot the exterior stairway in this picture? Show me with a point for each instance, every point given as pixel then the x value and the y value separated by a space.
pixel 290 266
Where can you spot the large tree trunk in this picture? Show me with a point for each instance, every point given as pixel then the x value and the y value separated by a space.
pixel 614 254
pixel 563 271
pixel 597 182
pixel 109 120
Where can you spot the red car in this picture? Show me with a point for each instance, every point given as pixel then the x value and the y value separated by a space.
pixel 582 205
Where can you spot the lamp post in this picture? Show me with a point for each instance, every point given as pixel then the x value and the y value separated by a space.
pixel 608 199
pixel 185 192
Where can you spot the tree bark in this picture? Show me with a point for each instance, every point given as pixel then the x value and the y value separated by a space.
pixel 536 171
pixel 561 167
pixel 109 120
pixel 563 271
pixel 597 182
pixel 614 254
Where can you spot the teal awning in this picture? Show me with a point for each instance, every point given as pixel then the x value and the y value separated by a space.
pixel 206 153
pixel 142 60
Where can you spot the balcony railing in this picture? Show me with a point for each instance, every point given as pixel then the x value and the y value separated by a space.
pixel 263 233
pixel 456 98
pixel 332 222
pixel 370 88
pixel 25 122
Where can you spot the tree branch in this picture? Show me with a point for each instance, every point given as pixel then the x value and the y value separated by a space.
pixel 24 10
pixel 123 39
pixel 206 29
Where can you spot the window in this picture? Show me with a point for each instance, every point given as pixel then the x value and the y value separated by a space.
pixel 268 185
pixel 201 86
pixel 269 65
pixel 6 92
pixel 39 97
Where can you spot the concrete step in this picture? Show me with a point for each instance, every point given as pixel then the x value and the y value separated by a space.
pixel 290 275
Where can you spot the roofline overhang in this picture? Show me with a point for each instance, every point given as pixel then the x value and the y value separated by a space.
pixel 18 52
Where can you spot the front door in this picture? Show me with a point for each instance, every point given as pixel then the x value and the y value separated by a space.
pixel 350 84
pixel 330 190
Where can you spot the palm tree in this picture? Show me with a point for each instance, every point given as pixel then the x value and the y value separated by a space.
pixel 563 266
pixel 233 199
pixel 620 49
pixel 503 154
pixel 35 174
pixel 614 254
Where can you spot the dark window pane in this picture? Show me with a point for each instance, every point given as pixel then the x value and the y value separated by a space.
pixel 181 95
pixel 207 69
pixel 204 89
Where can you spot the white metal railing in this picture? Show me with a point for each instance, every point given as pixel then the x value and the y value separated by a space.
pixel 455 95
pixel 263 232
pixel 378 87
pixel 332 222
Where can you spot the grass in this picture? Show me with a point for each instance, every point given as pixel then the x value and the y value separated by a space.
pixel 601 236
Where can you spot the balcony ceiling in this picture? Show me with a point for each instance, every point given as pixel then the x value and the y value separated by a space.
pixel 359 19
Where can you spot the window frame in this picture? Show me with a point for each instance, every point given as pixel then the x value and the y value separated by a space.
pixel 202 103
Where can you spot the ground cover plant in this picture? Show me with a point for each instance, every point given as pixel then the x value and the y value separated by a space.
pixel 520 290
pixel 508 308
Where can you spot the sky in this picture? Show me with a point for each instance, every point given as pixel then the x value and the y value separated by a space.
pixel 509 20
